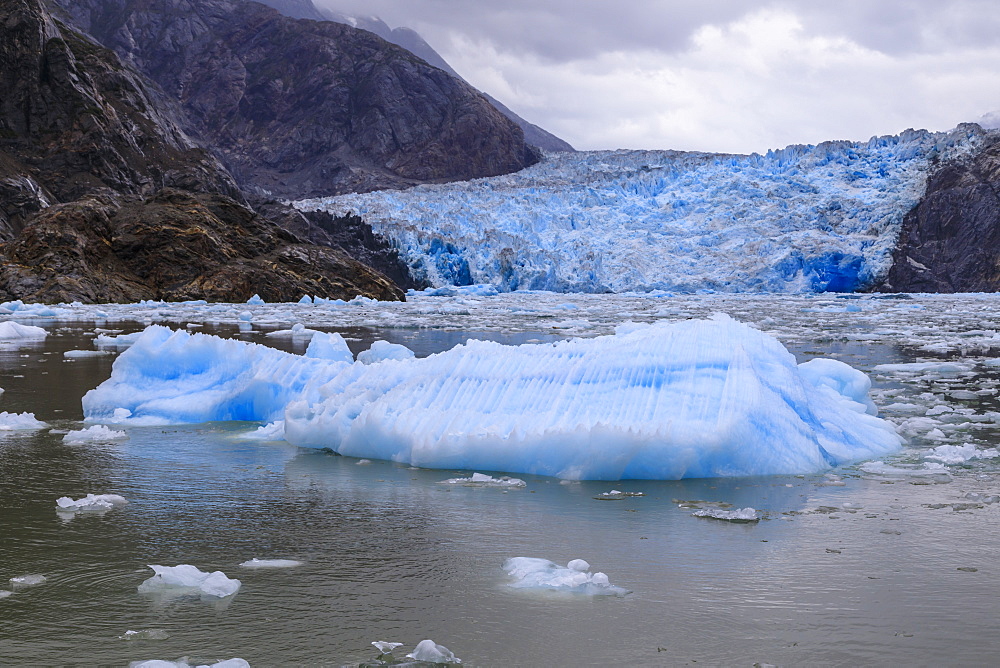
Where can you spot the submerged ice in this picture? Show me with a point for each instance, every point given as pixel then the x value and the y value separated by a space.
pixel 698 398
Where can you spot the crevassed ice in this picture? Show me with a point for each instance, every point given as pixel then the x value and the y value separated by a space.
pixel 800 219
pixel 698 398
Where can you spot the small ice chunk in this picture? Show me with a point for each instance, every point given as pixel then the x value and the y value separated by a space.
pixel 363 462
pixel 14 331
pixel 119 342
pixel 245 316
pixel 27 580
pixel 90 503
pixel 431 652
pixel 383 350
pixel 5 593
pixel 306 299
pixel 256 301
pixel 270 563
pixel 95 434
pixel 617 495
pixel 386 647
pixel 743 515
pixel 145 634
pixel 483 480
pixel 534 573
pixel 235 662
pixel 72 354
pixel 12 421
pixel 298 330
pixel 188 577
pixel 329 346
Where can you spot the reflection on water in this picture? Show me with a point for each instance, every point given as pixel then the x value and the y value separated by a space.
pixel 849 569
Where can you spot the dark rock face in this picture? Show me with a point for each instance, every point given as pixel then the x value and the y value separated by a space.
pixel 415 44
pixel 89 157
pixel 304 108
pixel 950 242
pixel 174 246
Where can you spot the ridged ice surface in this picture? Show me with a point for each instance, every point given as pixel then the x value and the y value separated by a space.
pixel 698 398
pixel 801 219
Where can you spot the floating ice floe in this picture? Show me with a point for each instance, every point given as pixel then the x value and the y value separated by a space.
pixel 329 346
pixel 119 342
pixel 575 577
pixel 98 433
pixel 27 580
pixel 145 634
pixel 16 421
pixel 14 331
pixel 431 652
pixel 483 480
pixel 698 398
pixel 298 330
pixel 617 495
pixel 270 563
pixel 91 503
pixel 187 578
pixel 383 350
pixel 75 354
pixel 740 516
pixel 235 662
pixel 4 593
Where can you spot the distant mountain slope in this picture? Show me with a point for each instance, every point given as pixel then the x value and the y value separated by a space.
pixel 305 108
pixel 415 44
pixel 802 219
pixel 104 198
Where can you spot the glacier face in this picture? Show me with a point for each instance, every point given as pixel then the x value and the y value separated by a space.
pixel 800 219
pixel 698 398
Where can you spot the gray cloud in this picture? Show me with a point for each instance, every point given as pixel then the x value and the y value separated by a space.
pixel 727 75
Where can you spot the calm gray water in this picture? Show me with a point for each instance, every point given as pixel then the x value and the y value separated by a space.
pixel 851 569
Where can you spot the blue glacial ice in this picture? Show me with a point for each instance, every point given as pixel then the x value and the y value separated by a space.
pixel 795 220
pixel 696 398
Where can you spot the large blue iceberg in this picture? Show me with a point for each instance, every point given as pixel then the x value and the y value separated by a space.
pixel 698 398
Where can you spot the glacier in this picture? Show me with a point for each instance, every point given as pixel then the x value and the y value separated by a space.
pixel 802 219
pixel 695 398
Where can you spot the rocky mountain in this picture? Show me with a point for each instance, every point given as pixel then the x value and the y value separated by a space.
pixel 950 241
pixel 412 41
pixel 297 108
pixel 103 197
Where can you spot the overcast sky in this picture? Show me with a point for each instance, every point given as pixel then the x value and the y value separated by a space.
pixel 717 75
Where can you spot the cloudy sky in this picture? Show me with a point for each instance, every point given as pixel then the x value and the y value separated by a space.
pixel 717 75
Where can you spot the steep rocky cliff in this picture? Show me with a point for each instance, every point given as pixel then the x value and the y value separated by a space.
pixel 93 174
pixel 950 242
pixel 303 108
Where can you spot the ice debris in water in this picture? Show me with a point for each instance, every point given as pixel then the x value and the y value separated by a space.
pixel 617 495
pixel 28 580
pixel 95 434
pixel 187 577
pixel 483 480
pixel 743 515
pixel 270 563
pixel 386 647
pixel 959 454
pixel 5 593
pixel 15 331
pixel 383 350
pixel 697 398
pixel 15 421
pixel 431 652
pixel 119 342
pixel 235 662
pixel 145 634
pixel 255 301
pixel 90 503
pixel 534 573
pixel 73 354
pixel 298 330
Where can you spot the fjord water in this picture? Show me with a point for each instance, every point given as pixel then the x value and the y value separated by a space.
pixel 861 566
